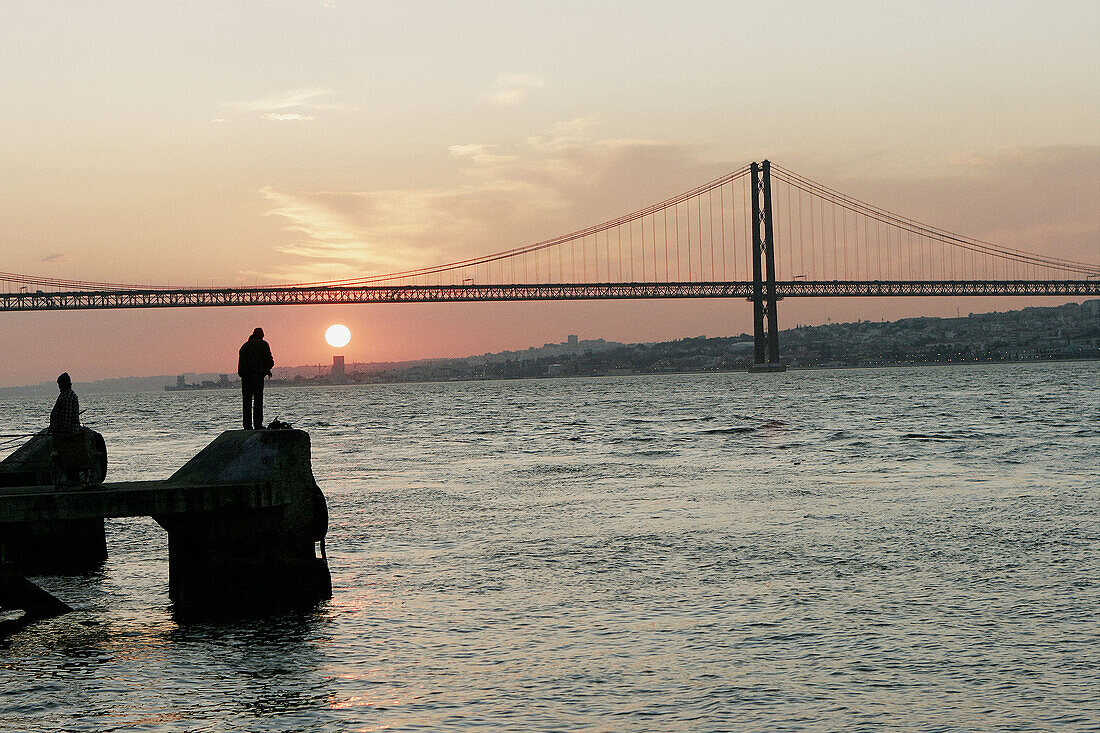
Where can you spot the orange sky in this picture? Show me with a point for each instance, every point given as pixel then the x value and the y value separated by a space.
pixel 241 142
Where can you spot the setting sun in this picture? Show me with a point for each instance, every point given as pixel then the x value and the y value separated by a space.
pixel 338 336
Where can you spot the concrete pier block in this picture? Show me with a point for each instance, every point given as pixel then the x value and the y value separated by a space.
pixel 243 517
pixel 238 558
pixel 51 545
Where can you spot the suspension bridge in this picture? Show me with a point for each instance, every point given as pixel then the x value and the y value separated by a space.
pixel 762 233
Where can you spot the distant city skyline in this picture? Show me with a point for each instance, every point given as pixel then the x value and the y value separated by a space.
pixel 246 143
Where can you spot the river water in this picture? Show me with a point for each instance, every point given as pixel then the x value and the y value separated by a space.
pixel 872 549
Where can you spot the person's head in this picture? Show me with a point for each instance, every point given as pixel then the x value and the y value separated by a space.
pixel 258 333
pixel 64 382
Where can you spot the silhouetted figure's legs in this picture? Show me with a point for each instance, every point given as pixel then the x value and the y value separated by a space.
pixel 258 404
pixel 252 390
pixel 247 398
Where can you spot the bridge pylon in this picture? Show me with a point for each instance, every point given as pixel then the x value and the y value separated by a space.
pixel 765 327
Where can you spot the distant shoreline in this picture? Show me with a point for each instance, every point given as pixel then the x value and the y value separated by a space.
pixel 32 392
pixel 1033 335
pixel 743 370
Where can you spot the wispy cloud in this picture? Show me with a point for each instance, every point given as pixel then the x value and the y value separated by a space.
pixel 565 134
pixel 480 154
pixel 55 258
pixel 513 89
pixel 291 105
pixel 512 195
pixel 292 116
pixel 359 233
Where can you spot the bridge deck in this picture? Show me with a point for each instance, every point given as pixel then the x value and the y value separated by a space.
pixel 207 297
pixel 132 499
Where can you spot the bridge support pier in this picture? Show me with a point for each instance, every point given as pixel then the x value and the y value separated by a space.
pixel 237 559
pixel 224 563
pixel 765 326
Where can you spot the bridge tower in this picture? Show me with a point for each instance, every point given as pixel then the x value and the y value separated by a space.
pixel 765 328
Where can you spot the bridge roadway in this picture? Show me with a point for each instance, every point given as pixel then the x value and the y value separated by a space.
pixel 200 297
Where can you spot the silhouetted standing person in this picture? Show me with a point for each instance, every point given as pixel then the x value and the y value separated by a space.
pixel 253 364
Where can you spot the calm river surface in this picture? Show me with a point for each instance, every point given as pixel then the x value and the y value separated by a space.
pixel 880 549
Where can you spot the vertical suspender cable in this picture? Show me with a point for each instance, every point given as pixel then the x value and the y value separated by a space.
pixel 630 248
pixel 930 270
pixel 584 260
pixel 801 238
pixel 790 237
pixel 836 259
pixel 652 241
pixel 619 238
pixel 925 269
pixel 813 241
pixel 699 219
pixel 572 256
pixel 687 222
pixel 733 234
pixel 954 273
pixel 911 272
pixel 664 212
pixel 736 230
pixel 710 229
pixel 722 216
pixel 607 256
pixel 561 269
pixel 844 236
pixel 675 211
pixel 878 230
pixel 909 244
pixel 594 277
pixel 887 267
pixel 859 249
pixel 747 217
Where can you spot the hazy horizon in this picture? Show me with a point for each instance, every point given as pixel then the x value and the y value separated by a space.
pixel 324 366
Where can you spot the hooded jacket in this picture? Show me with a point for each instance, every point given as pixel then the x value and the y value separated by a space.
pixel 254 359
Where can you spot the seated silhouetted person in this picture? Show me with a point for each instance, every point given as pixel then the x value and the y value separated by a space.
pixel 65 415
pixel 68 442
pixel 253 364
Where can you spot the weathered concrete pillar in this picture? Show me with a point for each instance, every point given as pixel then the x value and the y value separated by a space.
pixel 230 559
pixel 48 546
